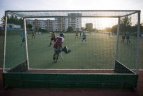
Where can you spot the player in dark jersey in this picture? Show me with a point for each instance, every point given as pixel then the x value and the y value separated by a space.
pixel 58 47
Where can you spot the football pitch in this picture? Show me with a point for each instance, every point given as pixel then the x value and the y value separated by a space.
pixel 98 52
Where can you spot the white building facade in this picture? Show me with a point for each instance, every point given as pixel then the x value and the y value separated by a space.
pixel 74 21
pixel 59 23
pixel 13 26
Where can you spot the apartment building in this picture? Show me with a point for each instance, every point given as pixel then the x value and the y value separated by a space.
pixel 89 26
pixel 74 21
pixel 59 23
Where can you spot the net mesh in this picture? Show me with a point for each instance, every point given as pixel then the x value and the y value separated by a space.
pixel 90 38
pixel 128 44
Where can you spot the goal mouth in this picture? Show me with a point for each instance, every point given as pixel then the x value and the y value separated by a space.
pixel 92 46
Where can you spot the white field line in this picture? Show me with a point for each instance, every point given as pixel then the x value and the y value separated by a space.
pixel 75 69
pixel 67 69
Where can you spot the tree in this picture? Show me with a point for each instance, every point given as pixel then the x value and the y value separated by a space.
pixel 114 29
pixel 3 21
pixel 3 26
pixel 70 29
pixel 108 29
pixel 125 24
pixel 141 28
pixel 15 20
pixel 21 22
pixel 134 29
pixel 29 26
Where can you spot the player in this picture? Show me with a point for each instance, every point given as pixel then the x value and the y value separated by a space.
pixel 53 38
pixel 22 35
pixel 58 46
pixel 128 37
pixel 33 35
pixel 84 35
pixel 76 34
pixel 123 37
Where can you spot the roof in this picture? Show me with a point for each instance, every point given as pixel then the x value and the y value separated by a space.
pixel 65 13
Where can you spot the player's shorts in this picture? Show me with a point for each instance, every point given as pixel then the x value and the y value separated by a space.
pixel 58 50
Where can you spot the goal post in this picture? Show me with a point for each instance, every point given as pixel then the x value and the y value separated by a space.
pixel 102 43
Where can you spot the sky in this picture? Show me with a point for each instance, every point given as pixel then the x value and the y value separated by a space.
pixel 70 5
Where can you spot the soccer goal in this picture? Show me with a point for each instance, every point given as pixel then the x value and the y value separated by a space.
pixel 95 44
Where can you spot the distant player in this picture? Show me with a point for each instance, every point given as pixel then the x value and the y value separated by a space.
pixel 84 35
pixel 123 37
pixel 80 33
pixel 53 38
pixel 76 34
pixel 22 38
pixel 33 35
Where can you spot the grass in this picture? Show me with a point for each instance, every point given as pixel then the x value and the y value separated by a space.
pixel 97 53
pixel 92 54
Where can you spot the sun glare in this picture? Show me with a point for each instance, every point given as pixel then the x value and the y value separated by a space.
pixel 105 22
pixel 100 23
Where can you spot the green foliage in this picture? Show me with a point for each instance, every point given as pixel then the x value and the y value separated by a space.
pixel 3 20
pixel 114 29
pixel 29 26
pixel 108 29
pixel 42 30
pixel 125 24
pixel 15 20
pixel 70 29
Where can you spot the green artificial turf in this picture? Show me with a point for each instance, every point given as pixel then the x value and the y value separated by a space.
pixel 98 52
